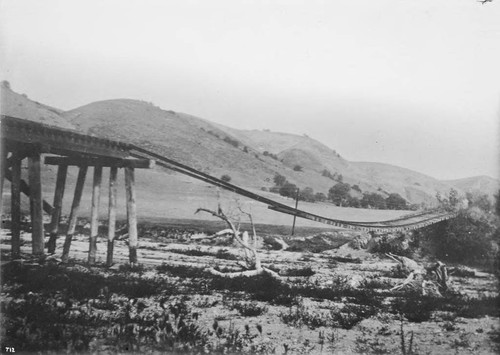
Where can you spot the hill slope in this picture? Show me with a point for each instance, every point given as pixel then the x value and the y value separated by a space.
pixel 217 149
pixel 181 137
pixel 475 184
pixel 314 156
pixel 20 106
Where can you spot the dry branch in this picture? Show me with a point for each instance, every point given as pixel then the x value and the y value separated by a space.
pixel 252 262
pixel 418 276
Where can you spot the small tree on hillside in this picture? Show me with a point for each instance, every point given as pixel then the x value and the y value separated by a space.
pixel 225 178
pixel 297 168
pixel 353 202
pixel 288 190
pixel 373 200
pixel 279 180
pixel 339 193
pixel 319 196
pixel 479 200
pixel 307 194
pixel 356 188
pixel 395 202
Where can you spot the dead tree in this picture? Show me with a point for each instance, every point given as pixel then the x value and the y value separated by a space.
pixel 252 265
pixel 418 276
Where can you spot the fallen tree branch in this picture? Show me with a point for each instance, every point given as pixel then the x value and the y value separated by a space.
pixel 252 260
pixel 248 273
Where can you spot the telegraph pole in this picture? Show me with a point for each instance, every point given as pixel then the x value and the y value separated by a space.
pixel 296 205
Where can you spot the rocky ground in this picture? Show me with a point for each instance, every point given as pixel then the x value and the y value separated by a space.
pixel 328 299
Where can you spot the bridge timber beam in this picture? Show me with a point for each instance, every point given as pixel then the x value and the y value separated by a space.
pixel 50 139
pixel 101 161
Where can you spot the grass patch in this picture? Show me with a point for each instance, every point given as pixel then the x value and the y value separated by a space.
pixel 249 309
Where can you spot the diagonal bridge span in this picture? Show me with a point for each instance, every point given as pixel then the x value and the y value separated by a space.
pixel 407 222
pixel 54 140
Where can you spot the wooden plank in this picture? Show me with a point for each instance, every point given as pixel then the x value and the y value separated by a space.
pixel 36 202
pixel 102 161
pixel 56 215
pixel 15 208
pixel 111 215
pixel 131 214
pixel 73 216
pixel 94 214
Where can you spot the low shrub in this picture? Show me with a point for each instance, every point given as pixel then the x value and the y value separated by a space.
pixel 305 271
pixel 249 309
pixel 414 307
pixel 301 315
pixel 350 315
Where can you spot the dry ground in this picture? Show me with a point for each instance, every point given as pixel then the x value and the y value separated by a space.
pixel 323 305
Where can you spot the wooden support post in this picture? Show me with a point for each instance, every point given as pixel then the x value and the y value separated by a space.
pixel 36 208
pixel 3 168
pixel 295 215
pixel 94 215
pixel 131 214
pixel 73 216
pixel 111 215
pixel 56 213
pixel 16 206
pixel 25 189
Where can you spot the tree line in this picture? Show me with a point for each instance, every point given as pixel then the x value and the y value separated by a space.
pixel 340 195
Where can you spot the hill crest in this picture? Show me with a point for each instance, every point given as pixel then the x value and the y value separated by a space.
pixel 250 157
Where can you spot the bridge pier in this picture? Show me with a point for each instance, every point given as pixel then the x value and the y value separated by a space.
pixel 15 202
pixel 56 214
pixel 94 215
pixel 36 202
pixel 98 163
pixel 113 172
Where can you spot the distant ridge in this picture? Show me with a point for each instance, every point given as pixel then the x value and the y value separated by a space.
pixel 250 157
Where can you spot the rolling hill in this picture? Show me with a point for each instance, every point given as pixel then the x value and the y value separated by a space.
pixel 250 157
pixel 19 105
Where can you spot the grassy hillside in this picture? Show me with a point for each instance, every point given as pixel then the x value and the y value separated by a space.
pixel 314 156
pixel 477 184
pixel 17 105
pixel 189 140
pixel 250 157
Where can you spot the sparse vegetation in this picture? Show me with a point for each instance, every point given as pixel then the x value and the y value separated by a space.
pixel 225 178
pixel 231 141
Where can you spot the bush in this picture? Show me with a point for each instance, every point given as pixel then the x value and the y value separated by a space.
pixel 288 190
pixel 395 202
pixel 320 197
pixel 225 178
pixel 350 315
pixel 414 307
pixel 373 200
pixel 466 239
pixel 307 194
pixel 279 180
pixel 305 271
pixel 339 193
pixel 271 155
pixel 249 309
pixel 231 141
pixel 297 168
pixel 300 315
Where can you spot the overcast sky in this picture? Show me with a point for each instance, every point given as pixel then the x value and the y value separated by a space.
pixel 406 82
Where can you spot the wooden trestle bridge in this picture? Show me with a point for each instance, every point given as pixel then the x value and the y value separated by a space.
pixel 23 139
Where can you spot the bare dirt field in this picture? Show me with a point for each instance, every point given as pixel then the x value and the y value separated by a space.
pixel 329 298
